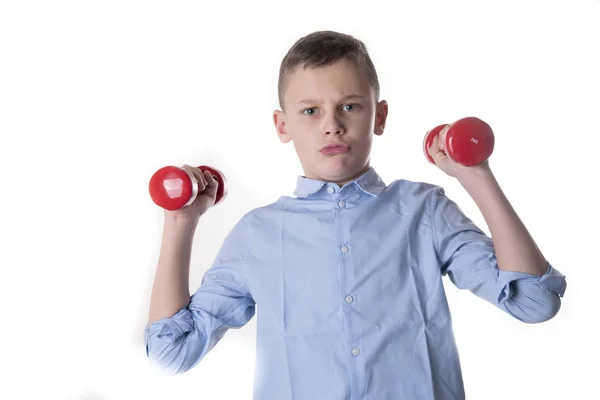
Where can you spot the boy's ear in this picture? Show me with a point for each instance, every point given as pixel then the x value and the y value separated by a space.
pixel 380 117
pixel 280 126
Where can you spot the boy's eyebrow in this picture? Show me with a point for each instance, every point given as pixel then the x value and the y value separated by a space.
pixel 350 96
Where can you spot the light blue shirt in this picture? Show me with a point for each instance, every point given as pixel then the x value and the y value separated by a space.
pixel 348 287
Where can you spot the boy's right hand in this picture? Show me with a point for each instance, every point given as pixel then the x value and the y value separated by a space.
pixel 207 194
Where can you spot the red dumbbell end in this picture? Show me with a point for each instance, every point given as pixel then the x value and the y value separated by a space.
pixel 469 141
pixel 172 188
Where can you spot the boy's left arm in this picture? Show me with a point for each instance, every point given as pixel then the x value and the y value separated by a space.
pixel 514 247
pixel 514 250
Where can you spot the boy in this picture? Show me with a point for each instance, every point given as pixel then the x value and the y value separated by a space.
pixel 348 274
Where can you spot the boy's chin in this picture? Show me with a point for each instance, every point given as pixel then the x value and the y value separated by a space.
pixel 337 173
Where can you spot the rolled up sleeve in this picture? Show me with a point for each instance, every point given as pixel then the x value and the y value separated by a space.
pixel 467 256
pixel 223 301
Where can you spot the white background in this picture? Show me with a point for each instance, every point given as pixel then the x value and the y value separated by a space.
pixel 96 96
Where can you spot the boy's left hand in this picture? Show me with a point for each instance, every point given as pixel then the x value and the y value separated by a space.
pixel 450 167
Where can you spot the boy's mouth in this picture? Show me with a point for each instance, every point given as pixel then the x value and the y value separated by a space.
pixel 335 148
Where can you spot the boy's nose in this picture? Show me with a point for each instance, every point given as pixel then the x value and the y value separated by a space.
pixel 334 127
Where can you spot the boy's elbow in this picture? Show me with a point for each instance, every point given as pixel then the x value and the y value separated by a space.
pixel 173 359
pixel 173 356
pixel 548 310
pixel 534 310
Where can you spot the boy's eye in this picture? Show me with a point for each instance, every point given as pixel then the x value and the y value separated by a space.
pixel 345 107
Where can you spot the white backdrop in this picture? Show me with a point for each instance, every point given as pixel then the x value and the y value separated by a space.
pixel 96 96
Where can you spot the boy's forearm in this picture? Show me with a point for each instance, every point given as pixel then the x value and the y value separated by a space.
pixel 170 291
pixel 515 248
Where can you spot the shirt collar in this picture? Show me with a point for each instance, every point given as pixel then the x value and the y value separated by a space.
pixel 369 182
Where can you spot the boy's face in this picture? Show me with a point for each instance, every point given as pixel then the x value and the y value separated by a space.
pixel 318 114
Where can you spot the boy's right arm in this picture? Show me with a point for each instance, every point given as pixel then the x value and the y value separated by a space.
pixel 170 292
pixel 181 328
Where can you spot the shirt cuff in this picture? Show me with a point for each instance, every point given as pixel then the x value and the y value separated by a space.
pixel 551 281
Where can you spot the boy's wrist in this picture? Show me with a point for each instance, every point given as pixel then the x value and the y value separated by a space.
pixel 181 222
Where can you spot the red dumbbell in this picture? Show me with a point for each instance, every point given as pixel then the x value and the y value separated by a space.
pixel 173 188
pixel 468 141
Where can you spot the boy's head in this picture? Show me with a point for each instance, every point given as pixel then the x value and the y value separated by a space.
pixel 316 77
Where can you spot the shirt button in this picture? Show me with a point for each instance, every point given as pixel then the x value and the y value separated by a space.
pixel 330 189
pixel 344 249
pixel 342 203
pixel 349 299
pixel 355 351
